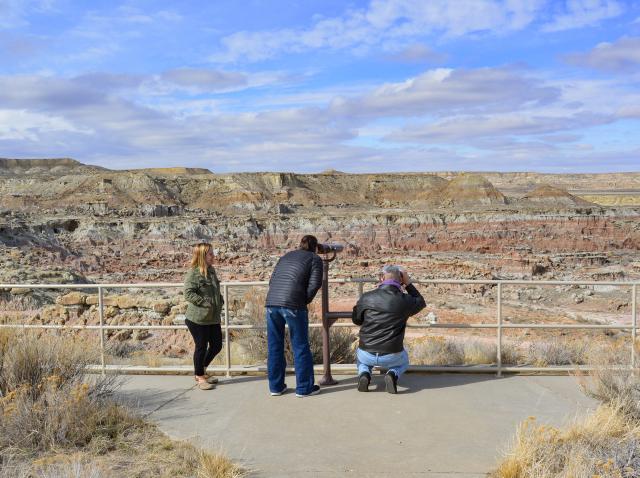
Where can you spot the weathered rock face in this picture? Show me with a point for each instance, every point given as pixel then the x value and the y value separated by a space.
pixel 139 225
pixel 30 167
pixel 546 195
pixel 470 190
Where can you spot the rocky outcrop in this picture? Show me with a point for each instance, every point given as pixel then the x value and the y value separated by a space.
pixel 552 197
pixel 55 167
pixel 469 191
pixel 139 225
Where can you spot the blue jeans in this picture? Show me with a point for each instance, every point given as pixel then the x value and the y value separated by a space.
pixel 298 322
pixel 397 363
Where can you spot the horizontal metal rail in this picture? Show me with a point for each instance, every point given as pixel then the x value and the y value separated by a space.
pixel 317 326
pixel 347 369
pixel 499 325
pixel 346 280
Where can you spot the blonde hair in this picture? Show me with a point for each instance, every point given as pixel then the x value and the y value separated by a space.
pixel 198 259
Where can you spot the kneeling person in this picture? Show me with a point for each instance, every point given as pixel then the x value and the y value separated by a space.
pixel 382 315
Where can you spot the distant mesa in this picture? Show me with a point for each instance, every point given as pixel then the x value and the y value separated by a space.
pixel 66 166
pixel 332 171
pixel 56 166
pixel 173 171
pixel 469 190
pixel 548 196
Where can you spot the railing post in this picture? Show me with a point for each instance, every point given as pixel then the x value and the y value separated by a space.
pixel 499 313
pixel 101 315
pixel 360 289
pixel 227 338
pixel 634 323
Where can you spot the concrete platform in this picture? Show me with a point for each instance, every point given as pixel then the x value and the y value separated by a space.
pixel 436 426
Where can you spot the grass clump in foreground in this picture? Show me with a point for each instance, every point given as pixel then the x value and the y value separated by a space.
pixel 55 421
pixel 606 443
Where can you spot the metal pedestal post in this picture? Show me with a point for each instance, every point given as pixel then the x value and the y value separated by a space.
pixel 326 379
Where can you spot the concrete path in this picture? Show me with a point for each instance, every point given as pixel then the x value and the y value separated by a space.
pixel 437 426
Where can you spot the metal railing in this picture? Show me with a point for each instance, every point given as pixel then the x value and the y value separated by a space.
pixel 499 325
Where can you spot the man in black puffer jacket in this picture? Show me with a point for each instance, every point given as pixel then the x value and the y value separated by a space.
pixel 382 315
pixel 293 285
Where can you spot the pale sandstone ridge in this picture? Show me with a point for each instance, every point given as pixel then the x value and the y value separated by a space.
pixel 570 181
pixel 469 190
pixel 67 186
pixel 547 195
pixel 173 171
pixel 57 166
pixel 620 199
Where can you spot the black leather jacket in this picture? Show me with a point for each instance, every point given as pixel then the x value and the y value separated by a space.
pixel 295 280
pixel 382 315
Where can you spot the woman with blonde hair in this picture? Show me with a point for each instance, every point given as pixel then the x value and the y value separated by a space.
pixel 204 304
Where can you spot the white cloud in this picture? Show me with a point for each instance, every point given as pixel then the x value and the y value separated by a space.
pixel 483 118
pixel 581 13
pixel 467 129
pixel 447 91
pixel 620 56
pixel 389 22
pixel 13 13
pixel 382 22
pixel 203 79
pixel 26 125
pixel 417 53
pixel 402 17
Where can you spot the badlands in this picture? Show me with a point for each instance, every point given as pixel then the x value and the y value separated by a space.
pixel 62 221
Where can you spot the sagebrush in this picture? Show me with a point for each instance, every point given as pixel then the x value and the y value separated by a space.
pixel 59 422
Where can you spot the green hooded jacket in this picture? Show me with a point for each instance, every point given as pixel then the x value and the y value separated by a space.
pixel 204 301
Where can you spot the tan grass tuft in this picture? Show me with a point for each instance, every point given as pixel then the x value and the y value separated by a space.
pixel 57 423
pixel 218 465
pixel 605 443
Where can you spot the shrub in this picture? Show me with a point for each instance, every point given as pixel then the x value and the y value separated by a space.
pixel 436 351
pixel 557 352
pixel 614 385
pixel 47 402
pixel 440 351
pixel 51 411
pixel 605 443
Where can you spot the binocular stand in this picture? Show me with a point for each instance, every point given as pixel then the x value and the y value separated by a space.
pixel 328 319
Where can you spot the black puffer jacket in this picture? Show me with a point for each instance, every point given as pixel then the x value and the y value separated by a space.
pixel 295 280
pixel 382 314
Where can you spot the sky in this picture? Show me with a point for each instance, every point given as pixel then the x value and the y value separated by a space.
pixel 311 85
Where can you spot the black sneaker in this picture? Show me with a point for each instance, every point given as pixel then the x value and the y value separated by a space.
pixel 363 382
pixel 391 382
pixel 314 391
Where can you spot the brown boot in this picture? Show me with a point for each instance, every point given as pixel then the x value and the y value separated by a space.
pixel 205 386
pixel 208 378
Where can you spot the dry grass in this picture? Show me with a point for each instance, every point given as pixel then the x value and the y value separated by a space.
pixel 557 352
pixel 57 422
pixel 439 351
pixel 254 342
pixel 605 443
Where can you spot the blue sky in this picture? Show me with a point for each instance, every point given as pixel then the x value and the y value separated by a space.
pixel 305 86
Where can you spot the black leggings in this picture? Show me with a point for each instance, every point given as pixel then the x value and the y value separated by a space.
pixel 208 340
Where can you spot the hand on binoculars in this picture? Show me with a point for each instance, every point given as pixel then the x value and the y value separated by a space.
pixel 405 278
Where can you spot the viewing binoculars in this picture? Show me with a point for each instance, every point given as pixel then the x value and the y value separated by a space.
pixel 327 248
